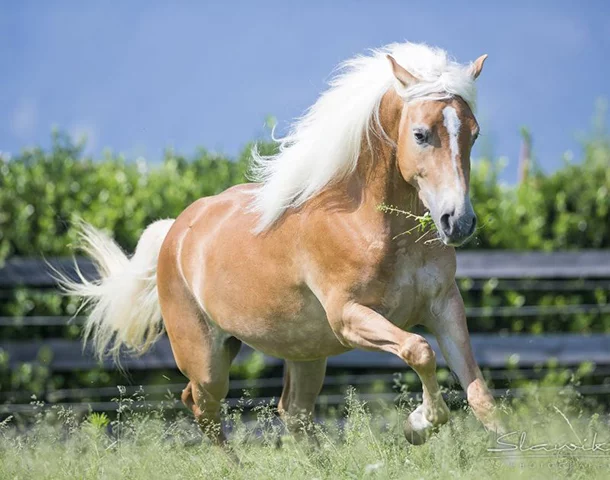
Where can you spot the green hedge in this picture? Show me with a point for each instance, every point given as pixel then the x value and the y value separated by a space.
pixel 566 210
pixel 42 192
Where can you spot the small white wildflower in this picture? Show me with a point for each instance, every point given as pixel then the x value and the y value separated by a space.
pixel 372 467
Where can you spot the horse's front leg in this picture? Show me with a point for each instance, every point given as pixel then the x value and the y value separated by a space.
pixel 448 323
pixel 358 326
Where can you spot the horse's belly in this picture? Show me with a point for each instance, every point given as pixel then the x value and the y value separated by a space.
pixel 300 345
pixel 299 331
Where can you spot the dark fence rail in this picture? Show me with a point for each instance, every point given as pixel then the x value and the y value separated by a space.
pixel 471 312
pixel 491 351
pixel 518 265
pixel 587 264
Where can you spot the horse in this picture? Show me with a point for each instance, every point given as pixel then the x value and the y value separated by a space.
pixel 302 264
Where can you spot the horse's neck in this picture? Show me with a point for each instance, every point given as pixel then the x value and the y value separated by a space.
pixel 377 179
pixel 380 179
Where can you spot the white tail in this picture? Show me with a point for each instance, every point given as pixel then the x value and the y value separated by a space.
pixel 123 304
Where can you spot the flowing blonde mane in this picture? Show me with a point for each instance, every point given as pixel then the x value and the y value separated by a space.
pixel 324 144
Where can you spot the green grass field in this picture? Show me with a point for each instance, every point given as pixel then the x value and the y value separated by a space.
pixel 140 443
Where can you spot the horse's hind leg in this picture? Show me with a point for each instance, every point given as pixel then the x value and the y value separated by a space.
pixel 208 372
pixel 204 354
pixel 302 384
pixel 209 385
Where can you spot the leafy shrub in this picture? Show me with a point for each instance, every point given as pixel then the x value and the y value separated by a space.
pixel 41 193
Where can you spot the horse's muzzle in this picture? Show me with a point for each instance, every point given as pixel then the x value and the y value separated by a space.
pixel 456 229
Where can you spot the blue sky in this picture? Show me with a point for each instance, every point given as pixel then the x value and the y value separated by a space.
pixel 139 77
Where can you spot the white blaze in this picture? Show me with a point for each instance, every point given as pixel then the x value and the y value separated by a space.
pixel 452 124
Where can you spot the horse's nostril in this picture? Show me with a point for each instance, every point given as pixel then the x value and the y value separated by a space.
pixel 445 223
pixel 473 226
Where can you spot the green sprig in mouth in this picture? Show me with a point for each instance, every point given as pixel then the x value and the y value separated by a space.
pixel 424 224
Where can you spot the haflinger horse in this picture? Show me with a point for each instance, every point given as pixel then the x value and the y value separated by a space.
pixel 302 264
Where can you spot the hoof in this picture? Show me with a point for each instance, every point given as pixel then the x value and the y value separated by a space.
pixel 418 428
pixel 413 436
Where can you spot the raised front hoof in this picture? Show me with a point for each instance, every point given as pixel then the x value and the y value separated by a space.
pixel 418 428
pixel 416 437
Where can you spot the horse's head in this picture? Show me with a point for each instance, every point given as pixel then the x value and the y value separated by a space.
pixel 433 154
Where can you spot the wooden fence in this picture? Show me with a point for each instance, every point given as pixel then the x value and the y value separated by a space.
pixel 502 357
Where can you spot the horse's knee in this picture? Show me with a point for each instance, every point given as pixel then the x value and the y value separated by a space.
pixel 187 396
pixel 282 406
pixel 298 421
pixel 204 399
pixel 482 403
pixel 418 353
pixel 479 396
pixel 208 394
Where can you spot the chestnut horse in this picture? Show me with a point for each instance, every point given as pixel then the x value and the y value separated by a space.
pixel 302 264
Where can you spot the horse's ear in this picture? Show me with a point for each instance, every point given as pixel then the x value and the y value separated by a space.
pixel 401 73
pixel 477 66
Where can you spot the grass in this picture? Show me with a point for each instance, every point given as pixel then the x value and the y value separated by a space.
pixel 366 443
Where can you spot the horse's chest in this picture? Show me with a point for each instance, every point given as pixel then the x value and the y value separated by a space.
pixel 412 285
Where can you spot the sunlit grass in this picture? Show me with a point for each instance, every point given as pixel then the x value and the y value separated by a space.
pixel 360 443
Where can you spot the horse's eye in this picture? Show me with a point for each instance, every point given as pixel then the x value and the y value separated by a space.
pixel 421 136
